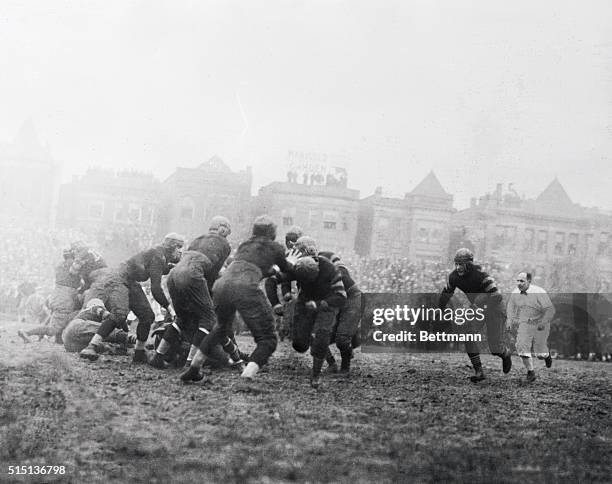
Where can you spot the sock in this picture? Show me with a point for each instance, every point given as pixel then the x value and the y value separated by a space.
pixel 475 359
pixel 198 359
pixel 96 340
pixel 163 347
pixel 346 359
pixel 317 364
pixel 232 349
pixel 192 352
pixel 251 370
pixel 528 362
pixel 140 345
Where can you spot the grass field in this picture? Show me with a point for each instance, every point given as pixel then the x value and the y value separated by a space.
pixel 399 418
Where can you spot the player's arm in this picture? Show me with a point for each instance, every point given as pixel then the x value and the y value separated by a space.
pixel 511 309
pixel 447 292
pixel 489 294
pixel 337 296
pixel 156 270
pixel 547 308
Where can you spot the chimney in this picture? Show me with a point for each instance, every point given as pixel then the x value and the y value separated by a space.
pixel 498 191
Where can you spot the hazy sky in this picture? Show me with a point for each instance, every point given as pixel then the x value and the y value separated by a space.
pixel 479 91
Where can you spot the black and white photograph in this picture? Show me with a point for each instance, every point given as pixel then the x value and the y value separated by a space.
pixel 311 241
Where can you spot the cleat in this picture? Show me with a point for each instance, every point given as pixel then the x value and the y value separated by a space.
pixel 507 362
pixel 531 376
pixel 157 361
pixel 140 356
pixel 24 336
pixel 237 365
pixel 191 374
pixel 479 376
pixel 90 352
pixel 548 361
pixel 315 381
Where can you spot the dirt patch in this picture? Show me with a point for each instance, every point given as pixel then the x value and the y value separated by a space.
pixel 409 418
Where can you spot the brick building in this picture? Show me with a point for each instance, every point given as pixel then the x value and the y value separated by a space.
pixel 119 211
pixel 326 212
pixel 414 227
pixel 192 196
pixel 504 227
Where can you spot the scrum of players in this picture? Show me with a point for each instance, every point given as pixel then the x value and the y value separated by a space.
pixel 297 291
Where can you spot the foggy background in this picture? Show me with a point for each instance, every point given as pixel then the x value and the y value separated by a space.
pixel 480 92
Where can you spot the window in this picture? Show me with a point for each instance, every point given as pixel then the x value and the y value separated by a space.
pixel 559 243
pixel 187 208
pixel 505 235
pixel 287 221
pixel 146 216
pixel 604 241
pixel 96 209
pixel 120 213
pixel 134 213
pixel 588 243
pixel 330 220
pixel 529 242
pixel 423 235
pixel 572 245
pixel 542 242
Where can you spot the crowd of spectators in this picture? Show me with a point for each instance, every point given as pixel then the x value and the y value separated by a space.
pixel 403 276
pixel 29 254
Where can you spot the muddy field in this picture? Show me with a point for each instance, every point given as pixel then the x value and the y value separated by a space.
pixel 399 418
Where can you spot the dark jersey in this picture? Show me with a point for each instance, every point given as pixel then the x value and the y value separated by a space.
pixel 347 280
pixel 474 284
pixel 149 264
pixel 327 287
pixel 216 248
pixel 195 264
pixel 84 264
pixel 63 276
pixel 263 253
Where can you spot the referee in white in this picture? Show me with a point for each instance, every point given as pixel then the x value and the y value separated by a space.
pixel 530 307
